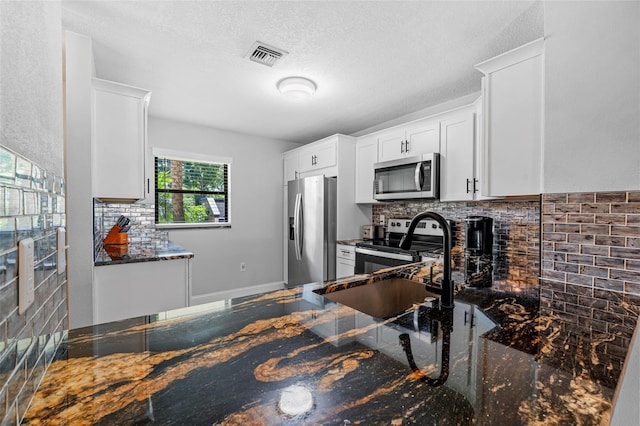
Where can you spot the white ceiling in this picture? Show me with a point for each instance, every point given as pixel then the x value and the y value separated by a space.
pixel 373 61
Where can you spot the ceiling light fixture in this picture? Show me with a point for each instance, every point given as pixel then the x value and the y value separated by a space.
pixel 297 87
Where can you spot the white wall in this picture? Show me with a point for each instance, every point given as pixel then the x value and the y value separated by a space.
pixel 31 82
pixel 592 77
pixel 79 69
pixel 255 236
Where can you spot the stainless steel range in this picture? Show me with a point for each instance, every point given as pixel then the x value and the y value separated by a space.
pixel 373 255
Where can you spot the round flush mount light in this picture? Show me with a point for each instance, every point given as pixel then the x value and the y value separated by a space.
pixel 297 87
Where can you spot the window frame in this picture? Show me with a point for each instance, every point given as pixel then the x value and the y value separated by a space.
pixel 194 158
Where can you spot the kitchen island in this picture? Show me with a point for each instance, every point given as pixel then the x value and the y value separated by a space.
pixel 293 357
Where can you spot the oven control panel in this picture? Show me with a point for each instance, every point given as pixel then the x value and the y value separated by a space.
pixel 425 227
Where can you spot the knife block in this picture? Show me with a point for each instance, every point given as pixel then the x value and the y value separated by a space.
pixel 116 252
pixel 115 237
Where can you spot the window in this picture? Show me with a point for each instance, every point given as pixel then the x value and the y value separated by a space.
pixel 191 190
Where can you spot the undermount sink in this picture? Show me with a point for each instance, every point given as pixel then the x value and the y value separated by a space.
pixel 382 299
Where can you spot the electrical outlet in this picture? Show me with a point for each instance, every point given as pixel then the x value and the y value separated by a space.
pixel 243 266
pixel 62 250
pixel 25 275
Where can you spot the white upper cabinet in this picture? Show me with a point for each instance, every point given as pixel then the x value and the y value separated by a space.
pixel 423 137
pixel 291 166
pixel 416 138
pixel 366 157
pixel 391 144
pixel 457 154
pixel 119 141
pixel 513 118
pixel 319 155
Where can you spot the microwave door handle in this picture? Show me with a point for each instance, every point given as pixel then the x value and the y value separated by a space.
pixel 418 177
pixel 296 226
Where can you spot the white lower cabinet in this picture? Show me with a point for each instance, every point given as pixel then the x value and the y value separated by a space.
pixel 345 260
pixel 133 289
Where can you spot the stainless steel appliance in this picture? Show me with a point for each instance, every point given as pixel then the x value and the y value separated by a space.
pixel 373 232
pixel 478 235
pixel 311 209
pixel 478 249
pixel 379 254
pixel 410 177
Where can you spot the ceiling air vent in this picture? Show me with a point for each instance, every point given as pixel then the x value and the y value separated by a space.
pixel 264 54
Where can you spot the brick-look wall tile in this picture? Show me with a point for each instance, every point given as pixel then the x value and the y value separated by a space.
pixel 587 197
pixel 143 230
pixel 32 206
pixel 516 248
pixel 611 197
pixel 591 267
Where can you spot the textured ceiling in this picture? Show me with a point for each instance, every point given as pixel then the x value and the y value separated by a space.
pixel 373 61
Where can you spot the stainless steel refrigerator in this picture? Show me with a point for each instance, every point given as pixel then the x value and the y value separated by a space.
pixel 311 212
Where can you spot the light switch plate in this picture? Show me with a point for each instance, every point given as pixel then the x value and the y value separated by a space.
pixel 25 275
pixel 62 250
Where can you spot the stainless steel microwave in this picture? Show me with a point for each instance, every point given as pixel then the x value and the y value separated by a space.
pixel 409 177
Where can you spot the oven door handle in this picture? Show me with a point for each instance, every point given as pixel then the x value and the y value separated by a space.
pixel 384 254
pixel 418 177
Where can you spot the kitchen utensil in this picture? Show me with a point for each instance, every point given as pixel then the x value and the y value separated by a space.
pixel 121 221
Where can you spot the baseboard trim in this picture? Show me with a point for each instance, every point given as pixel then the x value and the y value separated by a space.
pixel 236 292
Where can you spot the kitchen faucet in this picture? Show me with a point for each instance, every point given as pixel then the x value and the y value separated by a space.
pixel 405 244
pixel 445 319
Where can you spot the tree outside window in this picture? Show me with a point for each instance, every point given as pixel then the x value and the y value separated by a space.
pixel 191 192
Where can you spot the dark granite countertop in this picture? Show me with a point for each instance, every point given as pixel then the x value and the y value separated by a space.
pixel 349 242
pixel 132 253
pixel 293 357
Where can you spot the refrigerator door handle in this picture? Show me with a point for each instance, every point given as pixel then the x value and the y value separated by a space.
pixel 297 226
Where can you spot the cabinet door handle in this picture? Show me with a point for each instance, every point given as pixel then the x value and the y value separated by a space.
pixel 468 182
pixel 475 189
pixel 469 318
pixel 406 146
pixel 401 147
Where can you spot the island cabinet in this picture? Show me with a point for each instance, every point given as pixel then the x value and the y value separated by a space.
pixel 408 140
pixel 128 290
pixel 119 141
pixel 512 90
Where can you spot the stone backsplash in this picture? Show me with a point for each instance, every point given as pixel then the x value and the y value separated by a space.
pixel 516 242
pixel 591 270
pixel 32 205
pixel 143 230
